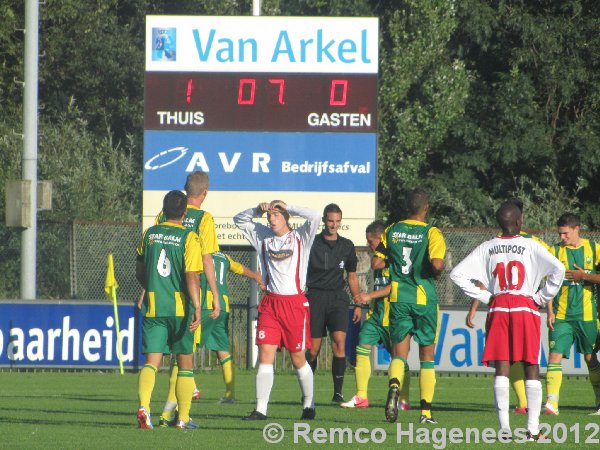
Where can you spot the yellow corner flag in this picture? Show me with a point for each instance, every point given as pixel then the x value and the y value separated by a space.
pixel 110 290
pixel 110 285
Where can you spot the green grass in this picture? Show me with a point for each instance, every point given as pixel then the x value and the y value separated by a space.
pixel 97 410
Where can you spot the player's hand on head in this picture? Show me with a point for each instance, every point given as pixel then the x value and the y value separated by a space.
pixel 262 207
pixel 279 203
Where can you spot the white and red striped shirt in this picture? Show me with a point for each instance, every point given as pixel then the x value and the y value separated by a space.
pixel 283 259
pixel 510 265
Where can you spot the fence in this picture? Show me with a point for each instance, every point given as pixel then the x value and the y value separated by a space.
pixel 72 265
pixel 91 242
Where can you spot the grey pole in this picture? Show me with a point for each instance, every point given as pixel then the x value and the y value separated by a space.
pixel 30 149
pixel 256 7
pixel 252 315
pixel 252 350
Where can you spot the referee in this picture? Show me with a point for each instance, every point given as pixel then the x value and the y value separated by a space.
pixel 331 255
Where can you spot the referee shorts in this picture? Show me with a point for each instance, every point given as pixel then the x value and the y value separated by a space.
pixel 328 311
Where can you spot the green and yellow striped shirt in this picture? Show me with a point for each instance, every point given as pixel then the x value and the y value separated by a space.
pixel 576 300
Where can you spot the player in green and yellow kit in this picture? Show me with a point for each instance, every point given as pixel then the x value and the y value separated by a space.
pixel 572 314
pixel 415 251
pixel 215 331
pixel 375 328
pixel 168 266
pixel 202 222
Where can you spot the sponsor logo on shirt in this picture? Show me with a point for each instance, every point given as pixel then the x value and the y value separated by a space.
pixel 280 255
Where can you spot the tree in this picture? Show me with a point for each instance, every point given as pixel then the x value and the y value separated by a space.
pixel 532 118
pixel 422 94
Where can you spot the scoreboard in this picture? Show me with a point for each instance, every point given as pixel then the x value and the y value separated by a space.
pixel 259 102
pixel 270 107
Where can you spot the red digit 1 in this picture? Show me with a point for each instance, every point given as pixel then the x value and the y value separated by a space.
pixel 500 273
pixel 242 100
pixel 334 100
pixel 190 88
pixel 281 84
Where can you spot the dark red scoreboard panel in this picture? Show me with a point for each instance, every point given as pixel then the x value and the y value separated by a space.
pixel 261 102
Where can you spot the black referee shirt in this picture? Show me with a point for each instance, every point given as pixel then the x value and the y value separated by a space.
pixel 328 260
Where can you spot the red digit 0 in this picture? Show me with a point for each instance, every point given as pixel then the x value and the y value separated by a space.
pixel 334 99
pixel 244 82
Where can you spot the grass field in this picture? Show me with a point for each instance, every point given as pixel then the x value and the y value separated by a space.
pixel 97 410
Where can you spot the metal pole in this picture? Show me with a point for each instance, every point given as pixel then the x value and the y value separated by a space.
pixel 256 7
pixel 30 149
pixel 252 349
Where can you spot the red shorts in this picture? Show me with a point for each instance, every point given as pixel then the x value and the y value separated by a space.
pixel 513 330
pixel 284 321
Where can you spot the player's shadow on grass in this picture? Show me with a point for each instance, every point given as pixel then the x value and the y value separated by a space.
pixel 92 398
pixel 75 421
pixel 46 397
pixel 462 407
pixel 578 408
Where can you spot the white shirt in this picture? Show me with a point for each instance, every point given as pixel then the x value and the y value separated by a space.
pixel 510 265
pixel 283 259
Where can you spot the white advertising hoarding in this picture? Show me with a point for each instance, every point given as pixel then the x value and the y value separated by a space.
pixel 459 348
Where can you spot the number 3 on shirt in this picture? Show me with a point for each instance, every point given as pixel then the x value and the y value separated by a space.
pixel 510 277
pixel 406 258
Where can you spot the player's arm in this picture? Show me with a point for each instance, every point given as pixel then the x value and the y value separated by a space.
pixel 471 314
pixel 377 263
pixel 437 251
pixel 309 228
pixel 555 274
pixel 193 284
pixel 381 253
pixel 256 276
pixel 250 229
pixel 365 297
pixel 140 301
pixel 208 239
pixel 140 272
pixel 240 269
pixel 193 267
pixel 550 317
pixel 140 268
pixel 469 269
pixel 578 274
pixel 379 257
pixel 474 305
pixel 211 278
pixel 355 291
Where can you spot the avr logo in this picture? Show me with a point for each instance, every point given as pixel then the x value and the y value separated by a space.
pixel 166 158
pixel 258 162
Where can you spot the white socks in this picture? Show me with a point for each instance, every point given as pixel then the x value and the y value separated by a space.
pixel 305 378
pixel 264 383
pixel 533 392
pixel 501 395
